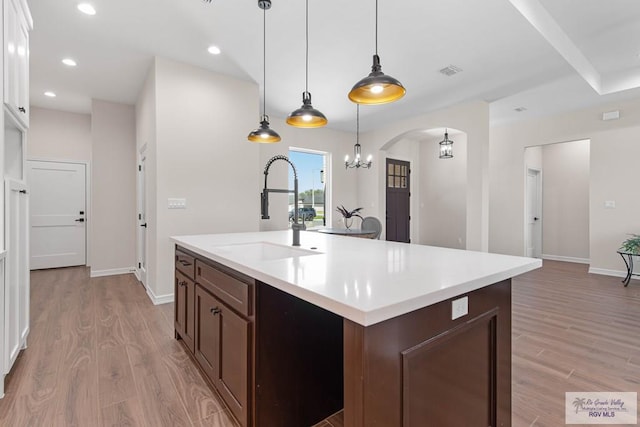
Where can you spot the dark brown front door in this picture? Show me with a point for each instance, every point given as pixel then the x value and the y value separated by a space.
pixel 398 193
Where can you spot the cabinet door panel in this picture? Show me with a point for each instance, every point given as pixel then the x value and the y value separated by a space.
pixel 207 333
pixel 184 309
pixel 232 378
pixel 179 307
pixel 16 67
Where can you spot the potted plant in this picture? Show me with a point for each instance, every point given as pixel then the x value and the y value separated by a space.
pixel 348 215
pixel 631 245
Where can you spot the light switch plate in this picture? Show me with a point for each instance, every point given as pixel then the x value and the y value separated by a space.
pixel 459 308
pixel 610 204
pixel 177 203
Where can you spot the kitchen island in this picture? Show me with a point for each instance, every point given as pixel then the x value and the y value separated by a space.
pixel 396 334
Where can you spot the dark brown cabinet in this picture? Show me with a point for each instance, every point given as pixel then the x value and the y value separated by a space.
pixel 185 287
pixel 214 317
pixel 222 349
pixel 278 360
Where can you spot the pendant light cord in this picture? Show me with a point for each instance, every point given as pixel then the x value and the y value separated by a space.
pixel 376 27
pixel 264 62
pixel 357 124
pixel 306 81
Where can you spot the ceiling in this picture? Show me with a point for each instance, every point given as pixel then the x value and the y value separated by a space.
pixel 548 56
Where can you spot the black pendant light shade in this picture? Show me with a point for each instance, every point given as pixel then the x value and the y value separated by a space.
pixel 306 116
pixel 377 87
pixel 264 134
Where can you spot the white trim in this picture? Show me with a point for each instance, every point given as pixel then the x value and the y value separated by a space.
pixel 539 197
pixel 140 179
pixel 23 338
pixel 112 272
pixel 566 259
pixel 606 272
pixel 162 299
pixel 137 274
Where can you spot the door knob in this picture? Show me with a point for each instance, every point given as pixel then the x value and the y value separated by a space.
pixel 535 218
pixel 80 220
pixel 143 225
pixel 214 310
pixel 22 110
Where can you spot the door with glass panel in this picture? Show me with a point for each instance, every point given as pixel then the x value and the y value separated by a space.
pixel 397 181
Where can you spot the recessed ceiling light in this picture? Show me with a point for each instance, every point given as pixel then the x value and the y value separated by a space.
pixel 214 50
pixel 70 62
pixel 50 94
pixel 86 8
pixel 520 109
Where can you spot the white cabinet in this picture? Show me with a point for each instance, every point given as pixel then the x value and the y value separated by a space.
pixel 16 279
pixel 14 203
pixel 17 24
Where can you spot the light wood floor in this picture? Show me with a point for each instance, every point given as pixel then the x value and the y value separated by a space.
pixel 101 354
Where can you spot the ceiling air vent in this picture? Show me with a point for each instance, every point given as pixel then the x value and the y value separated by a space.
pixel 520 109
pixel 450 70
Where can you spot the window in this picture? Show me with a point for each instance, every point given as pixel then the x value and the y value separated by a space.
pixel 312 186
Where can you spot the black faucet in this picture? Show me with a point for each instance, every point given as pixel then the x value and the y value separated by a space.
pixel 264 198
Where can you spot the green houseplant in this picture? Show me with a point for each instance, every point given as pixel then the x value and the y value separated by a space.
pixel 631 245
pixel 348 215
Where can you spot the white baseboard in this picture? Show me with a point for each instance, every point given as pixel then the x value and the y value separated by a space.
pixel 137 274
pixel 566 259
pixel 605 272
pixel 161 299
pixel 112 272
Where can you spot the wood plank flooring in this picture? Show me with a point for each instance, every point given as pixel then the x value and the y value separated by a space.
pixel 100 354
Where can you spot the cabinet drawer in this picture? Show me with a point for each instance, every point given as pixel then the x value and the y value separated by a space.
pixel 186 264
pixel 232 291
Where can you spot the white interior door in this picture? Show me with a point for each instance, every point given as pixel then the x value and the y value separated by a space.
pixel 533 224
pixel 58 214
pixel 142 220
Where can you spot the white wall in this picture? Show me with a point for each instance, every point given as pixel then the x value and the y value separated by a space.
pixel 113 184
pixel 202 120
pixel 443 193
pixel 613 163
pixel 533 157
pixel 59 135
pixel 471 118
pixel 565 200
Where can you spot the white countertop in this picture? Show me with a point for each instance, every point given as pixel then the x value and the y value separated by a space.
pixel 366 281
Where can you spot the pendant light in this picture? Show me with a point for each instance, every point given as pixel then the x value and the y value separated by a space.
pixel 377 88
pixel 306 116
pixel 357 149
pixel 264 134
pixel 446 146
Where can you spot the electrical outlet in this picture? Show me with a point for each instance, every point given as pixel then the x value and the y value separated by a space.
pixel 459 308
pixel 177 203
